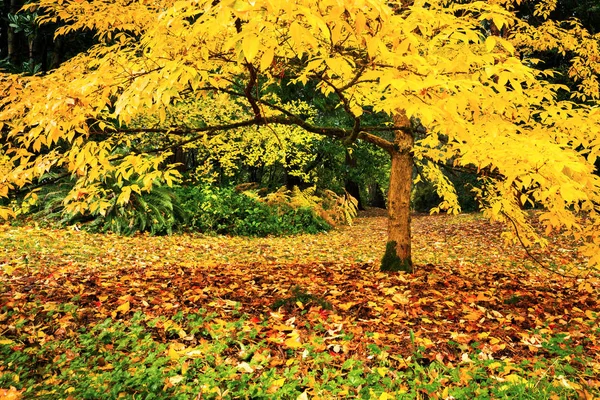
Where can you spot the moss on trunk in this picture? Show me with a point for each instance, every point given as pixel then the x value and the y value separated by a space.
pixel 391 261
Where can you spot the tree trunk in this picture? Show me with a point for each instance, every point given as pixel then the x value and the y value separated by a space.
pixel 31 45
pixel 57 52
pixel 350 185
pixel 4 9
pixel 12 45
pixel 398 250
pixel 376 196
pixel 179 157
pixel 293 180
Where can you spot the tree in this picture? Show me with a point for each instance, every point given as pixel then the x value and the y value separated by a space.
pixel 441 68
pixel 587 12
pixel 558 36
pixel 27 47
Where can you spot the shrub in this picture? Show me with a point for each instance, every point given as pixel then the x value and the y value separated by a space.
pixel 302 219
pixel 424 196
pixel 163 210
pixel 227 211
pixel 224 211
pixel 157 211
pixel 330 207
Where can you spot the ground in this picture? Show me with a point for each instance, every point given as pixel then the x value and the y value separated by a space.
pixel 473 299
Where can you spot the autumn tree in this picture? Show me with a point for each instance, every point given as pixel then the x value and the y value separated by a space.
pixel 455 91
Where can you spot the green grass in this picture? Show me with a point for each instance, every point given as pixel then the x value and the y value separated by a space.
pixel 202 356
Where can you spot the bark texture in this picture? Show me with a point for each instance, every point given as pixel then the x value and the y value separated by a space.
pixel 12 46
pixel 398 251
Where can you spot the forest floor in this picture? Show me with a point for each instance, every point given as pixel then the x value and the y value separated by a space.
pixel 307 316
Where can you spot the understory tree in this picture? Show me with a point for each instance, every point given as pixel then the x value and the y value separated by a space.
pixel 444 78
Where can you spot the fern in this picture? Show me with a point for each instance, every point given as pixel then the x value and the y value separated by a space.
pixel 157 211
pixel 333 208
pixel 341 209
pixel 281 196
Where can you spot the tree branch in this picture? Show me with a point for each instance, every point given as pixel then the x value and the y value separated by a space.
pixel 253 78
pixel 531 255
pixel 346 104
pixel 465 169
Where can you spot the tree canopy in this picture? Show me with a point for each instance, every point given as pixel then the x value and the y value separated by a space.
pixel 455 80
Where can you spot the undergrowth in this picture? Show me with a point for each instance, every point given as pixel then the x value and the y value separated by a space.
pixel 201 356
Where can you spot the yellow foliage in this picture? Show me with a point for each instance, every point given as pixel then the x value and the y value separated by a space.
pixel 203 73
pixel 334 209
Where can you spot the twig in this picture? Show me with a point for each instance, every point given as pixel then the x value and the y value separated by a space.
pixel 531 255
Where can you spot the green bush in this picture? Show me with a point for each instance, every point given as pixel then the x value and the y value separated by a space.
pixel 302 220
pixel 157 211
pixel 206 208
pixel 424 196
pixel 227 211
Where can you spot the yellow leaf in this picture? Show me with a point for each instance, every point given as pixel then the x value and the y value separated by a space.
pixel 8 269
pixel 494 365
pixel 278 382
pixel 499 21
pixel 267 59
pixel 360 22
pixel 250 44
pixel 173 354
pixel 382 371
pixel 124 196
pixel 6 213
pixel 283 328
pixel 176 379
pixel 346 306
pixel 372 46
pixel 514 378
pixel 6 341
pixel 293 342
pixel 445 392
pixel 303 396
pixel 162 114
pixel 508 46
pixel 123 308
pixel 300 36
pixel 490 43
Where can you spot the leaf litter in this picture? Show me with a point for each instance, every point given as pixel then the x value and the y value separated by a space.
pixel 471 293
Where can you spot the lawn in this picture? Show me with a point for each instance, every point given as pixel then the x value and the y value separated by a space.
pixel 86 316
